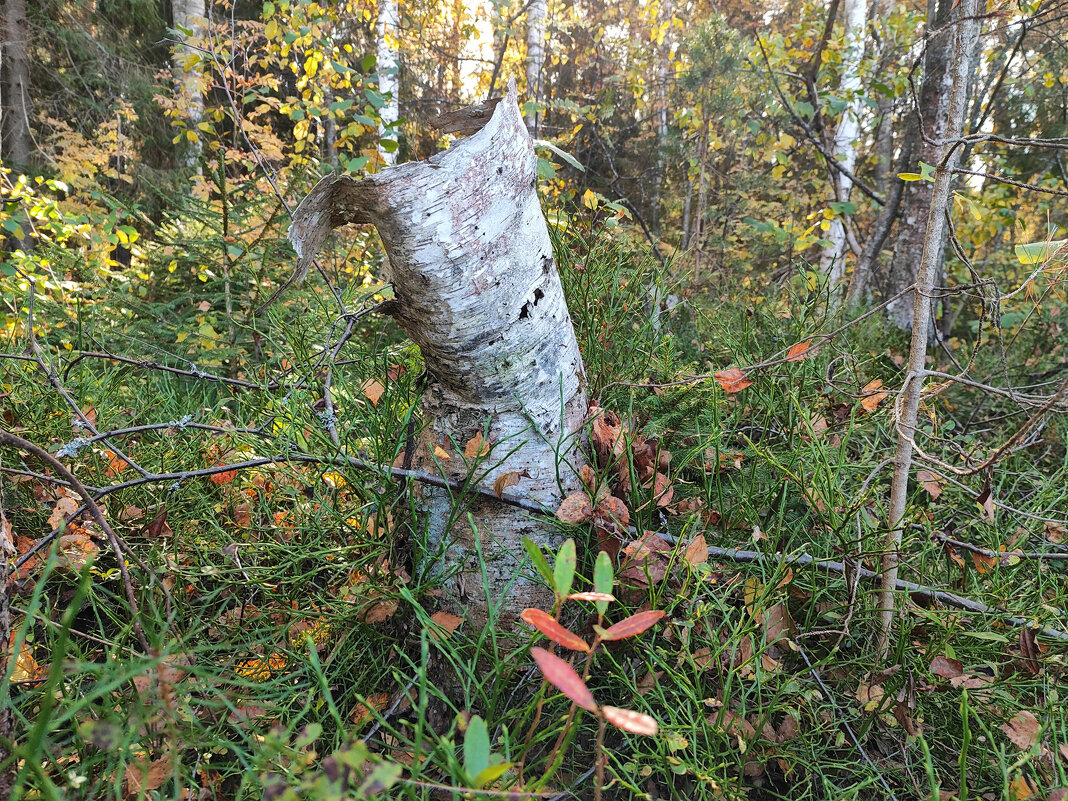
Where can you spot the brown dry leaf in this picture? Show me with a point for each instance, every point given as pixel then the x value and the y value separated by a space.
pixel 64 508
pixel 606 433
pixel 204 306
pixel 929 481
pixel 697 551
pixel 373 390
pixel 646 559
pixel 870 396
pixel 778 625
pixel 663 490
pixel 732 380
pixel 362 713
pixel 798 351
pixel 243 515
pixel 131 513
pixel 89 413
pixel 1059 794
pixel 441 453
pixel 383 610
pixel 575 508
pixel 160 528
pixel 141 778
pixel 588 476
pixel 26 667
pixel 611 514
pixel 787 729
pixel 946 668
pixel 116 464
pixel 1023 729
pixel 986 502
pixel 447 621
pixel 982 562
pixel 476 447
pixel 648 681
pixel 870 696
pixel 506 480
pixel 1021 788
pixel 1030 652
pixel 76 550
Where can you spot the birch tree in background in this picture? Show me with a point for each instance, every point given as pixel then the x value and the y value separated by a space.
pixel 844 148
pixel 388 23
pixel 536 15
pixel 189 18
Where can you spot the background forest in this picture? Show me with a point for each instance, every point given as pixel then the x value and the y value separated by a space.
pixel 213 586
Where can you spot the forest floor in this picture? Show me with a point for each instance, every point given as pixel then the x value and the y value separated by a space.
pixel 286 644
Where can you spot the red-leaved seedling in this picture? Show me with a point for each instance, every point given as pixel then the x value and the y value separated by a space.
pixel 547 625
pixel 564 678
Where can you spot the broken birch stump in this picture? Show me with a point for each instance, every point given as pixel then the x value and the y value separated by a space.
pixel 477 289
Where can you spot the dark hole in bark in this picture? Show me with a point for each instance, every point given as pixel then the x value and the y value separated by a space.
pixel 500 170
pixel 538 295
pixel 524 313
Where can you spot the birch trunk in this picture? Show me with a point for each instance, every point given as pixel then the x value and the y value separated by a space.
pixel 964 41
pixel 535 58
pixel 477 289
pixel 388 85
pixel 189 15
pixel 854 18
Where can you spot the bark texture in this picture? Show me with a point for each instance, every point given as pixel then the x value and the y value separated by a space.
pixel 964 39
pixel 931 118
pixel 388 22
pixel 15 150
pixel 477 289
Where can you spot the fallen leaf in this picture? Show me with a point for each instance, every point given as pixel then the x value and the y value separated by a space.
pixel 732 380
pixel 547 625
pixel 591 596
pixel 7 541
pixel 26 667
pixel 447 621
pixel 76 550
pixel 629 720
pixel 929 481
pixel 870 397
pixel 946 668
pixel 383 610
pixel 476 447
pixel 506 480
pixel 798 351
pixel 441 453
pixel 1023 729
pixel 142 778
pixel 158 527
pixel 606 433
pixel 64 508
pixel 564 678
pixel 697 551
pixel 375 702
pixel 575 508
pixel 116 464
pixel 373 390
pixel 1022 788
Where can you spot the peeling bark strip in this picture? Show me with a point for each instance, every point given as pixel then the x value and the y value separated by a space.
pixel 477 289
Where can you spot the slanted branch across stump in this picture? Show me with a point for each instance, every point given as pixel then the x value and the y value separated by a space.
pixel 477 289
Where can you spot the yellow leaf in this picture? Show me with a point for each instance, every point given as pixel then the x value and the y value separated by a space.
pixel 441 453
pixel 300 130
pixel 589 199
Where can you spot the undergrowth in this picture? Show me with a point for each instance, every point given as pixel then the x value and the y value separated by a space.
pixel 297 651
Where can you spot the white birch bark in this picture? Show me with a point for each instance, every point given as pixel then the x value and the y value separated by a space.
pixel 535 57
pixel 844 149
pixel 477 289
pixel 190 15
pixel 965 40
pixel 388 85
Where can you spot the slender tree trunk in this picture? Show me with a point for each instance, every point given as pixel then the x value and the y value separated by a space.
pixel 844 147
pixel 963 38
pixel 536 15
pixel 477 289
pixel 189 15
pixel 15 149
pixel 933 108
pixel 388 85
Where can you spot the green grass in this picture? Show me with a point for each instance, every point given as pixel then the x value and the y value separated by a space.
pixel 256 603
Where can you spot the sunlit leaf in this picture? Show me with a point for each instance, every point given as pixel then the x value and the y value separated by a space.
pixel 547 625
pixel 629 720
pixel 732 380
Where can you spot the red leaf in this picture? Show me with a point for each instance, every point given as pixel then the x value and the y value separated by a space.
pixel 798 351
pixel 564 678
pixel 732 380
pixel 548 626
pixel 635 624
pixel 629 720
